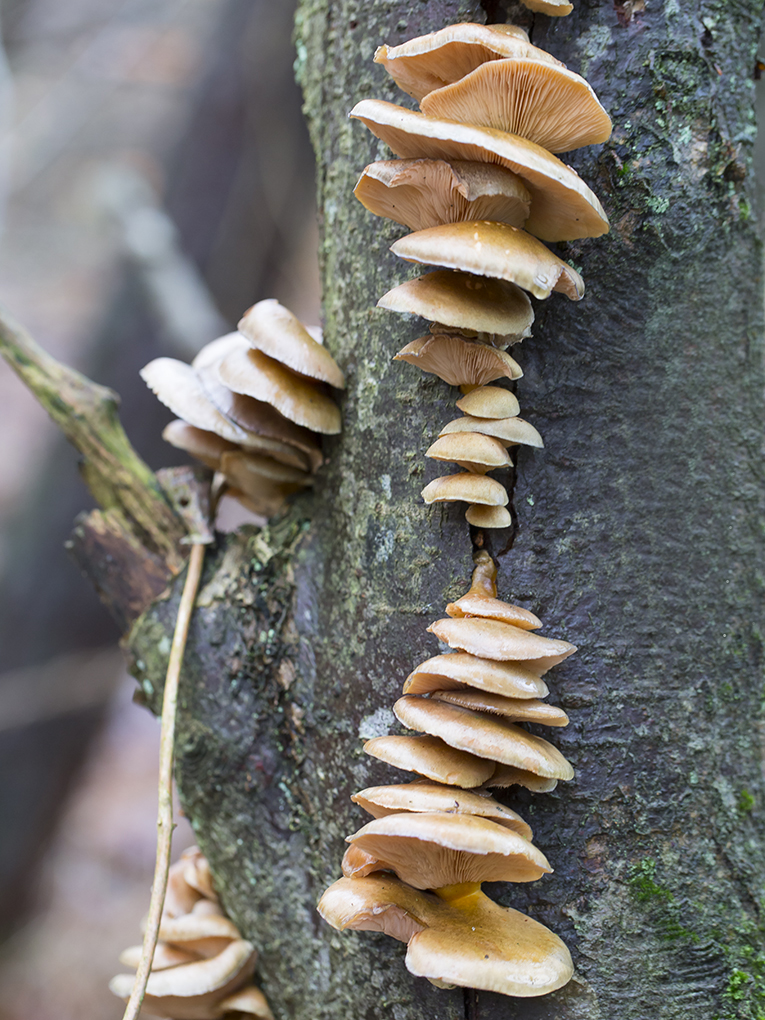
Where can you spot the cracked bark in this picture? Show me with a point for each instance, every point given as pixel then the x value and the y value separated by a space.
pixel 639 538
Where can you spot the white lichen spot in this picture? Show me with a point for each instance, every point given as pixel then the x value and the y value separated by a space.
pixel 385 485
pixel 164 646
pixel 386 543
pixel 377 724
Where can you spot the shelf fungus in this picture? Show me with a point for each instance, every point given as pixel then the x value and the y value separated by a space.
pixel 253 405
pixel 202 967
pixel 415 871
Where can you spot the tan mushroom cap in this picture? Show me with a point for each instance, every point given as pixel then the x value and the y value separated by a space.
pixel 509 430
pixel 178 387
pixel 246 470
pixel 563 208
pixel 273 329
pixel 203 934
pixel 248 1000
pixel 484 736
pixel 463 301
pixel 468 487
pixel 470 450
pixel 205 446
pixel 458 361
pixel 498 250
pixel 489 402
pixel 357 863
pixel 164 956
pixel 476 944
pixel 488 516
pixel 192 991
pixel 381 801
pixel 431 61
pixel 431 757
pixel 423 193
pixel 435 849
pixel 458 670
pixel 514 709
pixel 553 8
pixel 477 604
pixel 492 639
pixel 549 105
pixel 256 375
pixel 508 775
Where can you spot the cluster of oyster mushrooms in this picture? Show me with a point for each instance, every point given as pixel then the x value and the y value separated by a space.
pixel 202 966
pixel 253 405
pixel 479 186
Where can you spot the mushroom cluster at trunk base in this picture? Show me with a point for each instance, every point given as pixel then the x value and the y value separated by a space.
pixel 202 966
pixel 479 186
pixel 253 405
pixel 415 871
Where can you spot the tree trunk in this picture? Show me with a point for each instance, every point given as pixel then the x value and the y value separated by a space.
pixel 638 537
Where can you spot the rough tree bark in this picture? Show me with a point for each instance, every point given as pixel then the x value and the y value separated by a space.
pixel 638 537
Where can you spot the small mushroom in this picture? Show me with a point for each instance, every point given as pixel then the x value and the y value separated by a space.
pixel 493 639
pixel 553 8
pixel 489 402
pixel 249 1001
pixel 497 250
pixel 508 430
pixel 508 775
pixel 513 709
pixel 458 670
pixel 458 361
pixel 475 452
pixel 475 603
pixel 468 487
pixel 423 193
pixel 488 516
pixel 431 757
pixel 563 208
pixel 178 387
pixel 206 446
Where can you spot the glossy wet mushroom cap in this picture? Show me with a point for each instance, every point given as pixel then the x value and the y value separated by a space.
pixel 553 8
pixel 493 639
pixel 489 402
pixel 458 361
pixel 488 516
pixel 431 757
pixel 458 670
pixel 475 603
pixel 466 487
pixel 470 450
pixel 512 709
pixel 509 430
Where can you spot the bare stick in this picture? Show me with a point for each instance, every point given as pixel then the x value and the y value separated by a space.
pixel 165 810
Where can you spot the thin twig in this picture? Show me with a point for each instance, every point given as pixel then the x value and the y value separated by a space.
pixel 165 810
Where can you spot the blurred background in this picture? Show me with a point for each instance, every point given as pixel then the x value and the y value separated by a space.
pixel 155 180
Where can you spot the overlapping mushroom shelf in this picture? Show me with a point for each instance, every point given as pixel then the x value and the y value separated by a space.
pixel 253 405
pixel 202 967
pixel 478 184
pixel 442 835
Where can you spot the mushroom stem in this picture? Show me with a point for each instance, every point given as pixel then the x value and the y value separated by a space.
pixel 165 808
pixel 463 895
pixel 484 580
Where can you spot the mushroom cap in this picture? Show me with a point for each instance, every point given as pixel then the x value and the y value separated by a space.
pixel 553 8
pixel 273 329
pixel 471 488
pixel 381 801
pixel 431 61
pixel 458 361
pixel 178 387
pixel 489 402
pixel 476 604
pixel 514 709
pixel 432 758
pixel 248 1000
pixel 475 945
pixel 164 956
pixel 545 103
pixel 484 736
pixel 433 849
pixel 488 516
pixel 422 193
pixel 458 670
pixel 508 775
pixel 192 991
pixel 509 430
pixel 256 375
pixel 464 301
pixel 493 639
pixel 357 863
pixel 482 453
pixel 246 470
pixel 498 250
pixel 206 446
pixel 563 208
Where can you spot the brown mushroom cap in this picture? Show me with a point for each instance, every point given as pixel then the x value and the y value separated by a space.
pixel 549 105
pixel 205 446
pixel 256 375
pixel 463 301
pixel 436 849
pixel 469 487
pixel 477 604
pixel 488 516
pixel 458 361
pixel 489 402
pixel 178 387
pixel 419 796
pixel 553 8
pixel 498 250
pixel 431 61
pixel 514 709
pixel 477 944
pixel 246 471
pixel 248 1000
pixel 484 736
pixel 509 430
pixel 563 208
pixel 508 775
pixel 492 639
pixel 431 757
pixel 273 329
pixel 458 670
pixel 422 193
pixel 471 450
